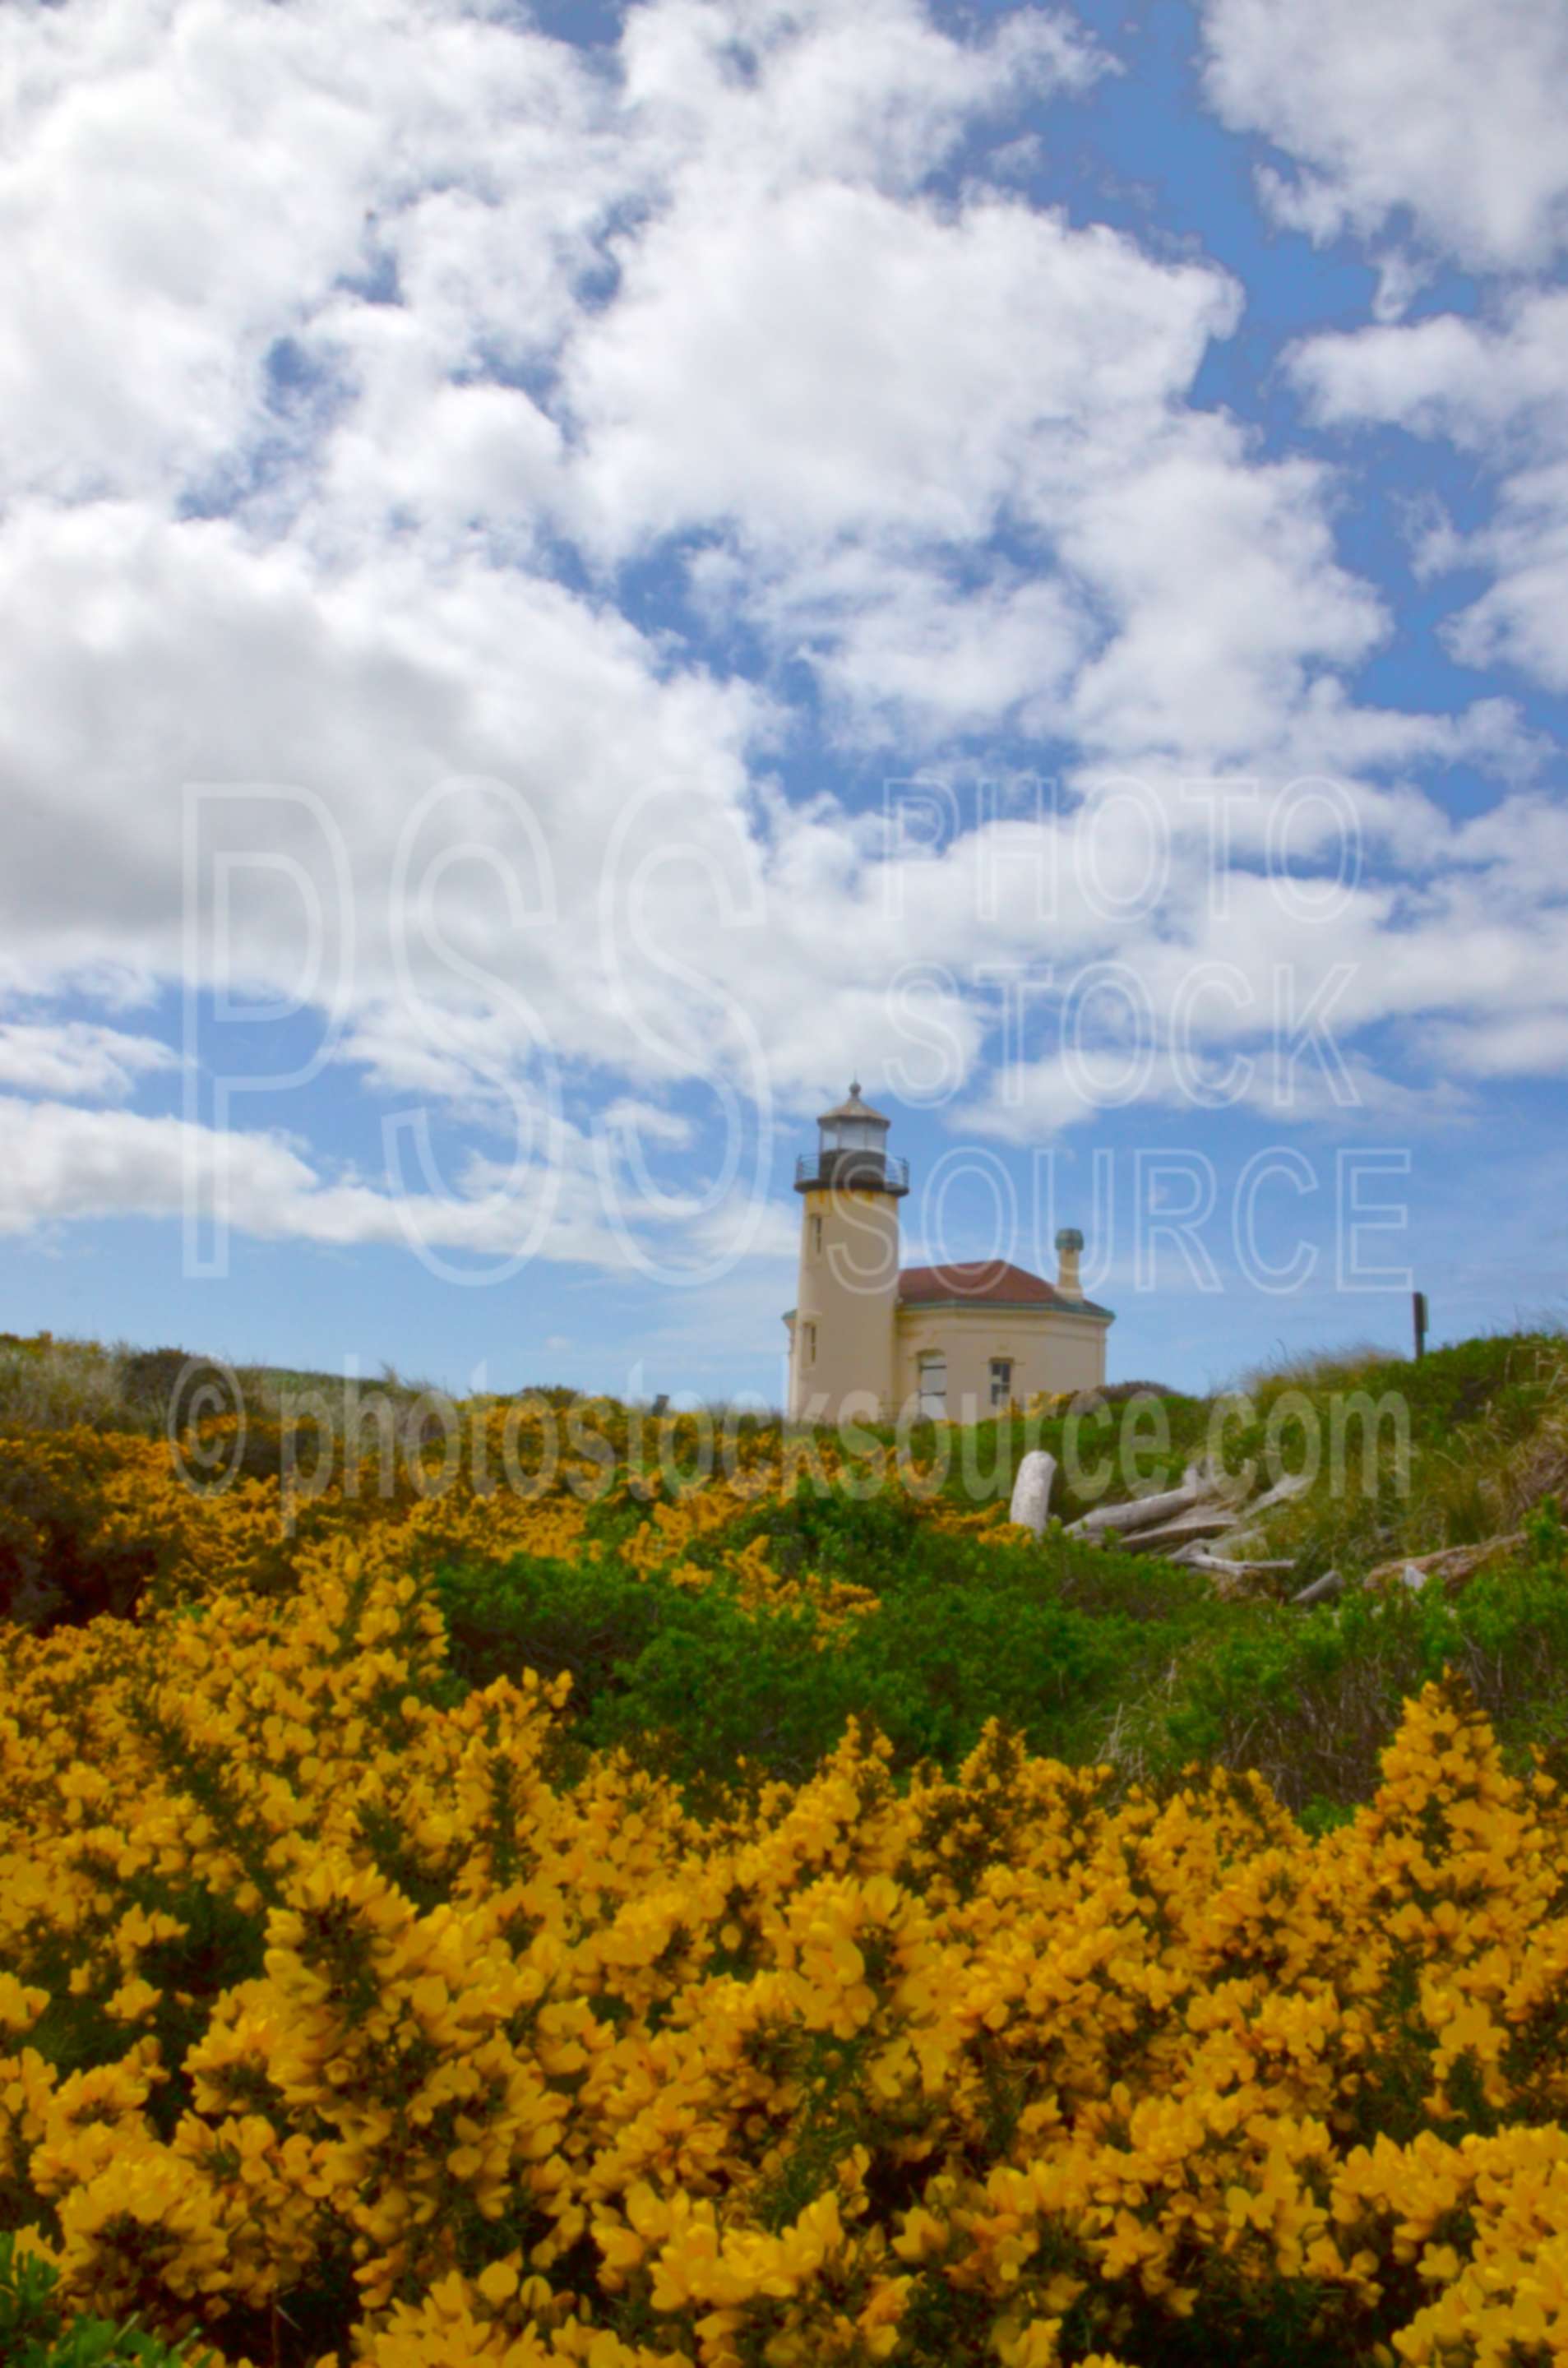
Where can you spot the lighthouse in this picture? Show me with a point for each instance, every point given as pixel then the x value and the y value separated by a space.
pixel 841 1333
pixel 870 1341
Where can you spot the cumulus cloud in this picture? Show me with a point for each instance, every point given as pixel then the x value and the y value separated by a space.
pixel 1442 114
pixel 186 187
pixel 1434 127
pixel 894 367
pixel 1497 390
pixel 64 1163
pixel 1526 1043
pixel 369 362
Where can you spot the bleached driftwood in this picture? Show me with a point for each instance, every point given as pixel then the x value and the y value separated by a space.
pixel 1031 1491
pixel 1197 1522
pixel 1321 1590
pixel 1212 1479
pixel 1228 1578
pixel 1452 1564
pixel 1137 1513
pixel 1243 1545
pixel 1198 1558
pixel 1209 1506
pixel 1294 1484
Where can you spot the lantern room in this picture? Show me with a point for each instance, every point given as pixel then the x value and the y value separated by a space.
pixel 852 1153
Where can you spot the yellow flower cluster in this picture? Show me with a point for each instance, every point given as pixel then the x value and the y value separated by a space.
pixel 335 2024
pixel 116 1517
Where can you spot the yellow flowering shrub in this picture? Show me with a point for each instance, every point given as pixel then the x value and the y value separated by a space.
pixel 100 1520
pixel 337 2023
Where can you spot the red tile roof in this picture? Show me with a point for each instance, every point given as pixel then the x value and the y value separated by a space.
pixel 979 1282
pixel 977 1278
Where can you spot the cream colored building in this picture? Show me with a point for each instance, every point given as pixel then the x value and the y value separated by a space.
pixel 870 1340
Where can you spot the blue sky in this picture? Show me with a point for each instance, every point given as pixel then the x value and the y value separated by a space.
pixel 574 577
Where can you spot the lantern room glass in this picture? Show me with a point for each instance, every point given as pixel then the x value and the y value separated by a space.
pixel 853 1134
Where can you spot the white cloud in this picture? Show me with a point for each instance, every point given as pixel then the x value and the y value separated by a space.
pixel 1523 620
pixel 626 1114
pixel 1499 390
pixel 912 654
pixel 1222 577
pixel 892 368
pixel 65 1164
pixel 77 1059
pixel 362 356
pixel 805 89
pixel 1464 959
pixel 1444 112
pixel 904 384
pixel 1477 381
pixel 193 658
pixel 1526 1043
pixel 186 184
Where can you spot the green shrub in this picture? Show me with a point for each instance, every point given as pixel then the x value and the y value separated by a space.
pixel 694 1684
pixel 585 1619
pixel 1084 1652
pixel 1309 1699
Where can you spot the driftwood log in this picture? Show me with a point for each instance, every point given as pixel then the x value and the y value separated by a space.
pixel 1242 1545
pixel 1452 1564
pixel 1321 1590
pixel 1031 1491
pixel 1196 1559
pixel 1197 1522
pixel 1207 1509
pixel 1294 1484
pixel 1138 1513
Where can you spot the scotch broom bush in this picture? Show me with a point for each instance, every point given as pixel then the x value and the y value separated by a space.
pixel 337 2024
pixel 652 1928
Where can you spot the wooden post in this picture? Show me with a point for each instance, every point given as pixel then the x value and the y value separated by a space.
pixel 1418 1311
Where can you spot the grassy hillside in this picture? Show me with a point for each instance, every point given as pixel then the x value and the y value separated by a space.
pixel 724 1608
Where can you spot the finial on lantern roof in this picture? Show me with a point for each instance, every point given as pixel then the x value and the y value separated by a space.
pixel 854 1107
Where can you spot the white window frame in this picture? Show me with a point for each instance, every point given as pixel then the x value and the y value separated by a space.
pixel 933 1402
pixel 1001 1389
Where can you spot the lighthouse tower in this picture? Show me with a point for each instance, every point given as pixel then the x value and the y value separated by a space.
pixel 842 1332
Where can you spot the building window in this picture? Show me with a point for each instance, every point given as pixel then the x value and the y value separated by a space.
pixel 1001 1380
pixel 932 1385
pixel 810 1344
pixel 816 1235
